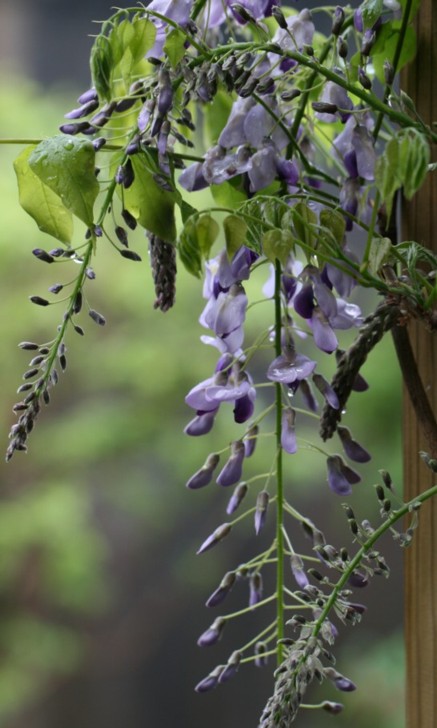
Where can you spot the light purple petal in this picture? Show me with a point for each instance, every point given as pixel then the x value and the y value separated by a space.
pixel 288 431
pixel 324 337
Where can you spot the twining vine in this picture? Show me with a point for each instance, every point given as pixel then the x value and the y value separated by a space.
pixel 306 144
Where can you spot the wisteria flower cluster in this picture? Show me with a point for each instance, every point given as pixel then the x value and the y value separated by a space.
pixel 294 134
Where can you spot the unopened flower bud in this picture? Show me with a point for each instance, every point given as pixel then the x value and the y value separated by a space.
pixel 231 668
pixel 333 708
pixel 262 502
pixel 232 470
pixel 222 590
pixel 342 47
pixel 218 535
pixel 297 570
pixel 369 38
pixel 211 681
pixel 97 317
pixel 340 682
pixel 236 498
pixel 364 80
pixel 261 658
pixel 279 17
pixel 337 20
pixel 204 476
pixel 389 72
pixel 42 255
pixel 39 301
pixel 250 440
pixel 256 589
pixel 323 107
pixel 212 634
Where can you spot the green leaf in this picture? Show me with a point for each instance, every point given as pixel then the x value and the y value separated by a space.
pixel 186 209
pixel 38 200
pixel 235 234
pixel 371 11
pixel 101 63
pixel 380 250
pixel 216 115
pixel 404 163
pixel 229 194
pixel 67 166
pixel 120 54
pixel 333 226
pixel 174 46
pixel 416 153
pixel 304 220
pixel 386 44
pixel 277 245
pixel 188 247
pixel 206 231
pixel 150 204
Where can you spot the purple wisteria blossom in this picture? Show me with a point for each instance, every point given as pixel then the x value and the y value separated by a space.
pixel 290 367
pixel 340 476
pixel 250 142
pixel 316 303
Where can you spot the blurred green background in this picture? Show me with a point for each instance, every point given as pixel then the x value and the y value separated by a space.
pixel 101 594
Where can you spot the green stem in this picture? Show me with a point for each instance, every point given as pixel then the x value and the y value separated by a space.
pixel 279 476
pixel 367 546
pixel 396 59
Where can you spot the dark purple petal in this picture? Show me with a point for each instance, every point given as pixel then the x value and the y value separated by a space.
pixel 232 470
pixel 201 424
pixel 307 395
pixel 358 580
pixel 303 301
pixel 337 479
pixel 244 407
pixel 326 390
pixel 352 448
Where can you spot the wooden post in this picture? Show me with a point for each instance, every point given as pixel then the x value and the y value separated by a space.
pixel 420 224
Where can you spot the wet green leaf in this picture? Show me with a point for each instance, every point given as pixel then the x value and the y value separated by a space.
pixel 67 166
pixel 40 202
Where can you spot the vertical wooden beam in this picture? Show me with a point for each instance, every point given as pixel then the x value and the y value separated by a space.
pixel 420 224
